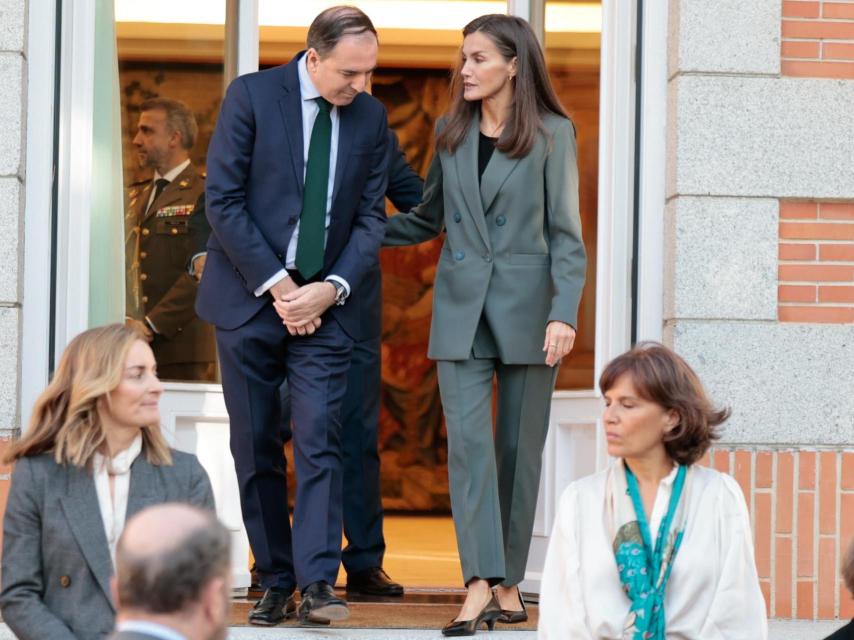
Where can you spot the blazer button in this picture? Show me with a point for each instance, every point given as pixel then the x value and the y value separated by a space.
pixel 144 299
pixel 65 581
pixel 145 232
pixel 279 256
pixel 458 217
pixel 459 255
pixel 500 221
pixel 292 221
pixel 487 257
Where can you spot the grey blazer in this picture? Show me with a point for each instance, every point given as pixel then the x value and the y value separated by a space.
pixel 513 252
pixel 56 560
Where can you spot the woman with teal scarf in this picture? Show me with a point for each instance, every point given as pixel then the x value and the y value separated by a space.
pixel 655 546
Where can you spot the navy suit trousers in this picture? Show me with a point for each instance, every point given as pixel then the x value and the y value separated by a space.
pixel 255 359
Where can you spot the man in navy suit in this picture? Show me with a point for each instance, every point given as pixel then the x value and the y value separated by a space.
pixel 297 172
pixel 360 413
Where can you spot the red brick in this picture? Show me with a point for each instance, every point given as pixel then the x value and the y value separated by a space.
pixel 848 471
pixel 816 231
pixel 836 294
pixel 785 482
pixel 706 460
pixel 783 580
pixel 837 210
pixel 846 515
pixel 818 30
pixel 797 251
pixel 798 210
pixel 797 293
pixel 815 273
pixel 846 603
pixel 806 600
pixel 805 49
pixel 834 51
pixel 806 471
pixel 826 578
pixel 765 587
pixel 827 492
pixel 793 9
pixel 836 252
pixel 742 472
pixel 823 315
pixel 763 470
pixel 805 69
pixel 4 445
pixel 721 460
pixel 763 534
pixel 844 10
pixel 806 535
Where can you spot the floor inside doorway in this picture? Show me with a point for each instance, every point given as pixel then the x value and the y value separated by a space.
pixel 421 554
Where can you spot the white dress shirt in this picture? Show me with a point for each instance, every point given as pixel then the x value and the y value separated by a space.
pixel 114 506
pixel 713 592
pixel 309 94
pixel 169 175
pixel 154 629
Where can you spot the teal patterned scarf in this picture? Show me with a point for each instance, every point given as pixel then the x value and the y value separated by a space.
pixel 644 569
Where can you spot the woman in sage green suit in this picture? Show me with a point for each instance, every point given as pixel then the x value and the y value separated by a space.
pixel 504 186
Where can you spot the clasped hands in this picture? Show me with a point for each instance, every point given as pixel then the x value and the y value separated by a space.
pixel 300 308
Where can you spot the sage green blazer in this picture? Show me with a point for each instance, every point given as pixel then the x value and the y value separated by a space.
pixel 513 250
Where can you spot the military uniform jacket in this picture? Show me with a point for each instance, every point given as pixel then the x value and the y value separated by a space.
pixel 162 243
pixel 513 252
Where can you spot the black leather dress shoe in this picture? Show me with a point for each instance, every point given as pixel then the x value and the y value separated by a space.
pixel 373 582
pixel 320 605
pixel 274 607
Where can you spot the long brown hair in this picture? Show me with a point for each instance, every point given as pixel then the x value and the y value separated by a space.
pixel 533 94
pixel 66 420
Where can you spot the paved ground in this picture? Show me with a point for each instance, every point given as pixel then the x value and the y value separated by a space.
pixel 779 630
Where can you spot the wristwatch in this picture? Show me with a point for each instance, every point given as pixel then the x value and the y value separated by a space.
pixel 340 292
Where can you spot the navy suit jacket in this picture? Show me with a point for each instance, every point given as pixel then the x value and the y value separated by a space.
pixel 255 177
pixel 404 191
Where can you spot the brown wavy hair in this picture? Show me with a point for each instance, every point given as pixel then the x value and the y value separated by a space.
pixel 661 376
pixel 533 94
pixel 66 419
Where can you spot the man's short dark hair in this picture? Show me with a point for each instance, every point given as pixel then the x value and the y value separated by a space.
pixel 179 118
pixel 334 23
pixel 171 581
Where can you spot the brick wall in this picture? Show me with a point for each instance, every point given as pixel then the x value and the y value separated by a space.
pixel 802 511
pixel 816 271
pixel 818 38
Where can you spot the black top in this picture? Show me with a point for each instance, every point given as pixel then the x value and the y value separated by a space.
pixel 845 633
pixel 484 153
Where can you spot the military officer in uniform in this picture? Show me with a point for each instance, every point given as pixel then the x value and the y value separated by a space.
pixel 167 232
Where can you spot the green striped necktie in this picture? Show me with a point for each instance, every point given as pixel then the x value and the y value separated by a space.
pixel 312 219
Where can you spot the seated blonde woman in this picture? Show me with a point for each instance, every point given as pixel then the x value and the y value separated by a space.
pixel 655 546
pixel 92 456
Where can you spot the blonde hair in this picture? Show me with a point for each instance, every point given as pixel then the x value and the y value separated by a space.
pixel 66 420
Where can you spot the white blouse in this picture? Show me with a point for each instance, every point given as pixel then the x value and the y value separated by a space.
pixel 713 592
pixel 114 507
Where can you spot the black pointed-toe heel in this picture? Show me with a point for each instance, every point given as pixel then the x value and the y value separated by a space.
pixel 488 615
pixel 514 617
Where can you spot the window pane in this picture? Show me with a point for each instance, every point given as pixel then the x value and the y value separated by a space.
pixel 573 32
pixel 172 53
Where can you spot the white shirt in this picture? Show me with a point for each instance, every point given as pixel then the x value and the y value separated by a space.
pixel 150 628
pixel 114 507
pixel 309 94
pixel 713 592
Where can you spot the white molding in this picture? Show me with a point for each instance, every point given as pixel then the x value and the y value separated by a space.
pixel 35 312
pixel 74 178
pixel 247 37
pixel 616 179
pixel 520 8
pixel 652 162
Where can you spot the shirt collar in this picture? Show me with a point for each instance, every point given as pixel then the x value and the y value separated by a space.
pixel 151 628
pixel 306 87
pixel 122 461
pixel 174 172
